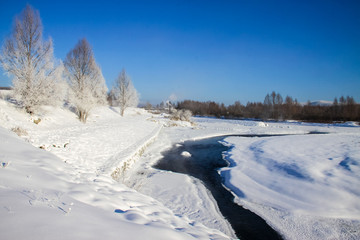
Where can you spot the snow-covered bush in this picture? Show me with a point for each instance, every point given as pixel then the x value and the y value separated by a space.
pixel 37 76
pixel 183 115
pixel 19 131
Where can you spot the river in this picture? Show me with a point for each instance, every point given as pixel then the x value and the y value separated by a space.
pixel 202 159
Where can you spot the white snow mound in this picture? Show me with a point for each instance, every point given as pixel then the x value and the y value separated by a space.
pixel 186 154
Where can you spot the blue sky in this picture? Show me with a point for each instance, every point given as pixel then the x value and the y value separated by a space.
pixel 211 50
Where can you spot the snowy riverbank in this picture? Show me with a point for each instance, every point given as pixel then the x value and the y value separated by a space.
pixel 300 185
pixel 65 190
pixel 306 186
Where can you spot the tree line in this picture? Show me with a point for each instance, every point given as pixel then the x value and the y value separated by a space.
pixel 40 79
pixel 274 107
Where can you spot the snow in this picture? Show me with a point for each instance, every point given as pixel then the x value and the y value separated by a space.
pixel 321 103
pixel 300 184
pixel 299 174
pixel 60 193
pixel 63 179
pixel 297 181
pixel 186 154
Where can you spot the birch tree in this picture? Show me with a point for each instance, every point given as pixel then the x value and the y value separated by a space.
pixel 25 56
pixel 125 94
pixel 87 88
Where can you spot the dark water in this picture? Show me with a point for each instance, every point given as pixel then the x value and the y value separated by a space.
pixel 206 158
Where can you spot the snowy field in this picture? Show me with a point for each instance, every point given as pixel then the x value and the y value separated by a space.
pixel 65 191
pixel 62 179
pixel 306 186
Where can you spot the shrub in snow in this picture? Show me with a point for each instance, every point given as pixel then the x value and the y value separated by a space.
pixel 6 94
pixel 123 93
pixel 183 115
pixel 19 131
pixel 37 121
pixel 262 124
pixel 87 87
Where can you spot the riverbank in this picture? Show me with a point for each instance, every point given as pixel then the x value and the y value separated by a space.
pixel 58 170
pixel 56 179
pixel 173 189
pixel 306 183
pixel 202 159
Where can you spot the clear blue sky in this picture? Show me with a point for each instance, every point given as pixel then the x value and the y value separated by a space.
pixel 211 50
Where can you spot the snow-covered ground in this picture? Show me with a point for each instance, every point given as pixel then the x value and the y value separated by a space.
pixel 66 191
pixel 305 186
pixel 63 179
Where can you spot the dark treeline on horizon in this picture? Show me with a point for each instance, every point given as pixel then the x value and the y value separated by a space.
pixel 275 107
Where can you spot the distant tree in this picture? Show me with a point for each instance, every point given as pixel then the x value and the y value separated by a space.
pixel 350 100
pixel 291 108
pixel 335 107
pixel 235 110
pixel 254 110
pixel 267 100
pixel 342 100
pixel 148 106
pixel 288 107
pixel 214 109
pixel 350 109
pixel 278 111
pixel 111 98
pixel 37 78
pixel 278 99
pixel 87 84
pixel 268 106
pixel 273 98
pixel 125 92
pixel 289 100
pixel 335 103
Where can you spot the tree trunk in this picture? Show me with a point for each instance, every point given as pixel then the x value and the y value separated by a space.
pixel 82 116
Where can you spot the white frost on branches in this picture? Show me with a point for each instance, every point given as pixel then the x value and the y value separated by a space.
pixel 37 76
pixel 124 93
pixel 87 88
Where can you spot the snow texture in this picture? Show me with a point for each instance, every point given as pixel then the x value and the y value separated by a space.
pixel 306 183
pixel 62 179
pixel 58 192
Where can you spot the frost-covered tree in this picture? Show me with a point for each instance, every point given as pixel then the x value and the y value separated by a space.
pixel 182 114
pixel 125 94
pixel 87 87
pixel 37 77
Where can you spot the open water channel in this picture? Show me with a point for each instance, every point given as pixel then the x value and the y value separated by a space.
pixel 203 162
